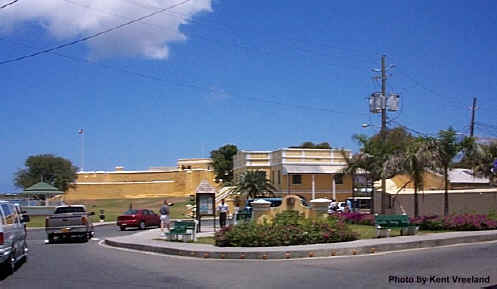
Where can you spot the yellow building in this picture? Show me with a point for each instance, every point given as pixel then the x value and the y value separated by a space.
pixel 310 173
pixel 179 181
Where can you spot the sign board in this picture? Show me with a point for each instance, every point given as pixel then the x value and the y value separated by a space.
pixel 205 204
pixel 205 200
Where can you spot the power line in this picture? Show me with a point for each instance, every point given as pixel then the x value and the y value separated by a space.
pixel 236 43
pixel 430 90
pixel 86 38
pixel 413 130
pixel 245 45
pixel 8 4
pixel 190 85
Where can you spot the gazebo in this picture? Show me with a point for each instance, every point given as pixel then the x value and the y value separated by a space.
pixel 42 188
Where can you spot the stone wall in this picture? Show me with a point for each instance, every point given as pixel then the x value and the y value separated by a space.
pixel 114 185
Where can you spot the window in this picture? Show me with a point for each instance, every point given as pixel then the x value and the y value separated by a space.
pixel 9 214
pixel 296 179
pixel 339 179
pixel 279 177
pixel 65 210
pixel 1 217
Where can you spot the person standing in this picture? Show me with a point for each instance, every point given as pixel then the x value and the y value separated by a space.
pixel 164 217
pixel 236 210
pixel 223 212
pixel 349 206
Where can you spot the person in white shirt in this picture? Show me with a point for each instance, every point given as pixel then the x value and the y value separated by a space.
pixel 236 209
pixel 223 212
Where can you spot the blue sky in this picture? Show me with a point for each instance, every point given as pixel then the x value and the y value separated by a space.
pixel 259 74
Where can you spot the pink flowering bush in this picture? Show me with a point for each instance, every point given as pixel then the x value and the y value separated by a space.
pixel 287 228
pixel 466 222
pixel 355 218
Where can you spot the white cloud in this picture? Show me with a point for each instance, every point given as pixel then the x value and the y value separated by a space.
pixel 68 19
pixel 217 94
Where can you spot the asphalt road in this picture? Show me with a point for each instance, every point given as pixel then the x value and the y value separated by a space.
pixel 90 265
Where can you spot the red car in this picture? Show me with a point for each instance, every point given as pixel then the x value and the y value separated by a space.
pixel 140 218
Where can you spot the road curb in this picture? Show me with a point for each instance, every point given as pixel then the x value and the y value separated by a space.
pixel 293 252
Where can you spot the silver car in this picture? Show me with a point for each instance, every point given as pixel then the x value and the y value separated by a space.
pixel 13 247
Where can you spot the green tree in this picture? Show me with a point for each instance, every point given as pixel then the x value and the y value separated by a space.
pixel 414 161
pixel 222 159
pixel 311 145
pixel 253 184
pixel 363 162
pixel 444 149
pixel 483 164
pixel 56 171
pixel 375 151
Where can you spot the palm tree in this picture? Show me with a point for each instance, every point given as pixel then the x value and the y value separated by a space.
pixel 485 158
pixel 363 161
pixel 414 162
pixel 253 184
pixel 444 149
pixel 376 150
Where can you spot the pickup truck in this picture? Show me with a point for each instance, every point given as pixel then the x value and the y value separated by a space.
pixel 69 221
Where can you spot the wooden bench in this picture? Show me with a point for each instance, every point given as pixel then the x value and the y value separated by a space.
pixel 384 223
pixel 183 228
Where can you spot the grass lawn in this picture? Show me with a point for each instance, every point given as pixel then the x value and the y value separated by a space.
pixel 36 221
pixel 369 232
pixel 206 240
pixel 115 207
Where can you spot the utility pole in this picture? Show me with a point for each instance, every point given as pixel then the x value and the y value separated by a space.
pixel 383 125
pixel 472 124
pixel 380 102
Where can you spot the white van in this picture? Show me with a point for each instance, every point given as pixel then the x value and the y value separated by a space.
pixel 13 245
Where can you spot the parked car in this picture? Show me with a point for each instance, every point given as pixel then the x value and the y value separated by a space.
pixel 68 222
pixel 140 218
pixel 339 209
pixel 13 246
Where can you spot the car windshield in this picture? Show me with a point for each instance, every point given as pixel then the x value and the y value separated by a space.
pixel 64 210
pixel 131 212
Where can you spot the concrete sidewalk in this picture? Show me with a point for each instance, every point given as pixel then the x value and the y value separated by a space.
pixel 150 241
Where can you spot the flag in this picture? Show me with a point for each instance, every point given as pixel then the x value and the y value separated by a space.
pixel 80 131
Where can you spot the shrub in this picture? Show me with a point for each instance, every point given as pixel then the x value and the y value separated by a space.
pixel 356 218
pixel 287 228
pixel 466 222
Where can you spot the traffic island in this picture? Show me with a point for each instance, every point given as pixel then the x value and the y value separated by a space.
pixel 144 241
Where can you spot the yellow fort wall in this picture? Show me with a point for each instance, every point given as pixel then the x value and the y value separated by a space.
pixel 116 185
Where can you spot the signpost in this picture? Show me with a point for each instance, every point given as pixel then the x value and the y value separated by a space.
pixel 205 200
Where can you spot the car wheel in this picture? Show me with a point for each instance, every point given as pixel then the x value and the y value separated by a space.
pixel 123 228
pixel 25 252
pixel 11 263
pixel 51 238
pixel 142 225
